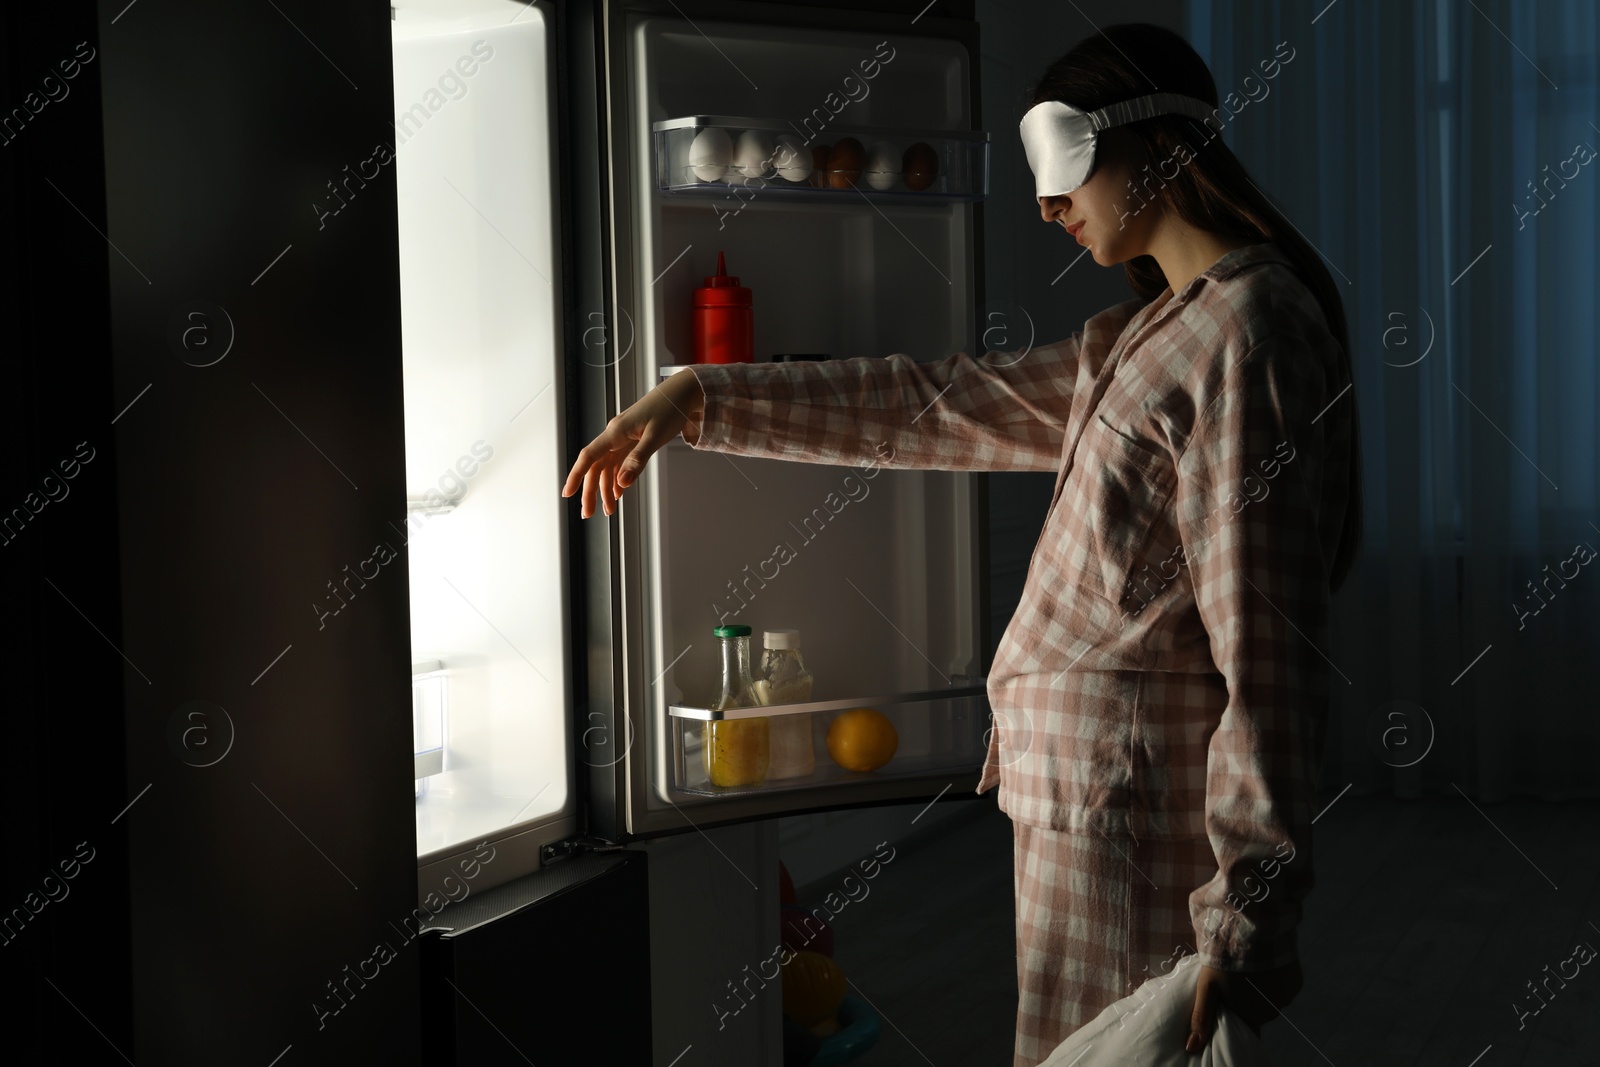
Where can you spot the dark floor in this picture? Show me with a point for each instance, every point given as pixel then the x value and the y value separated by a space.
pixel 1428 921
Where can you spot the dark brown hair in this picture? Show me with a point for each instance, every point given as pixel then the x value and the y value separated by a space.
pixel 1211 191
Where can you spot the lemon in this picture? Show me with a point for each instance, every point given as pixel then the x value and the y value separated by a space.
pixel 862 739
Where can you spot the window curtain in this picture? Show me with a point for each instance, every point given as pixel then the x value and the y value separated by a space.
pixel 1441 156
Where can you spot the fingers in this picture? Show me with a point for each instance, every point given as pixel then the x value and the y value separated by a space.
pixel 578 480
pixel 613 460
pixel 599 488
pixel 608 489
pixel 629 468
pixel 591 485
pixel 649 441
pixel 1203 1017
pixel 593 471
pixel 588 456
pixel 1245 1000
pixel 590 471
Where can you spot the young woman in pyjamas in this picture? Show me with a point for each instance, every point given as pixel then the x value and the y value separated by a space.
pixel 1161 693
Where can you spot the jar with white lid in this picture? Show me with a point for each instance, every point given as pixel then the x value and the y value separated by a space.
pixel 783 679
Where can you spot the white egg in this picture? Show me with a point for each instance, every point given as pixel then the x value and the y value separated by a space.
pixel 752 156
pixel 883 165
pixel 793 158
pixel 710 154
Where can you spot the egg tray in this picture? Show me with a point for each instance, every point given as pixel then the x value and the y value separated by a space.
pixel 728 163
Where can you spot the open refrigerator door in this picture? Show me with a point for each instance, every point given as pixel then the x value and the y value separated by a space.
pixel 874 252
pixel 478 213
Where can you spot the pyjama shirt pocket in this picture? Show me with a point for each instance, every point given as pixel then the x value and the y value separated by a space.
pixel 1125 488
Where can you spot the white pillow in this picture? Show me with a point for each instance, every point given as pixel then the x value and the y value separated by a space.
pixel 1148 1027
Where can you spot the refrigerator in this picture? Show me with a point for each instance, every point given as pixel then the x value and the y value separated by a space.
pixel 372 275
pixel 557 209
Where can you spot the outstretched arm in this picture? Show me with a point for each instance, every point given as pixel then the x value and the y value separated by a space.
pixel 1004 411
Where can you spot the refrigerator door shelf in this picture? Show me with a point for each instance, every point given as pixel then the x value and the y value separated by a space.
pixel 945 735
pixel 429 698
pixel 920 166
pixel 668 370
pixel 735 123
pixel 425 505
pixel 684 711
pixel 428 764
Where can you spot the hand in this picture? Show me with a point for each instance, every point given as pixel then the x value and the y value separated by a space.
pixel 612 461
pixel 1253 998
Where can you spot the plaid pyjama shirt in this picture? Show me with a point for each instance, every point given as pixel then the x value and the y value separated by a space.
pixel 1165 674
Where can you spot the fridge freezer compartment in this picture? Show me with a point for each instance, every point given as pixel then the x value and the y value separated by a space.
pixel 938 731
pixel 750 158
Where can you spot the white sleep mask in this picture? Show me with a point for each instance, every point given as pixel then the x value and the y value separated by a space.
pixel 1060 140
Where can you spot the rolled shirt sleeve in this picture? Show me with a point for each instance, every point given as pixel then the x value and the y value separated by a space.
pixel 1004 411
pixel 1256 543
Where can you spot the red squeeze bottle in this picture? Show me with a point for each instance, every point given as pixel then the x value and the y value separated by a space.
pixel 724 326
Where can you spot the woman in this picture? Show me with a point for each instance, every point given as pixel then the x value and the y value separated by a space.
pixel 1162 690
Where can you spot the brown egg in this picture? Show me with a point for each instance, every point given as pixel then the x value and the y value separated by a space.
pixel 845 163
pixel 920 166
pixel 819 166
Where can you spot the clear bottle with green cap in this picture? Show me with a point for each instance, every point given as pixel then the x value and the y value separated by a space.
pixel 737 751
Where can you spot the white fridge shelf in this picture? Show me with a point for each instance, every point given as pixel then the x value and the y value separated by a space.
pixel 685 711
pixel 719 156
pixel 668 370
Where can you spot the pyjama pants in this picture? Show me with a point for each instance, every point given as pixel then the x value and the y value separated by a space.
pixel 1095 918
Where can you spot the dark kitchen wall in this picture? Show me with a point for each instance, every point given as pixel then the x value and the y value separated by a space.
pixel 63 880
pixel 218 613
